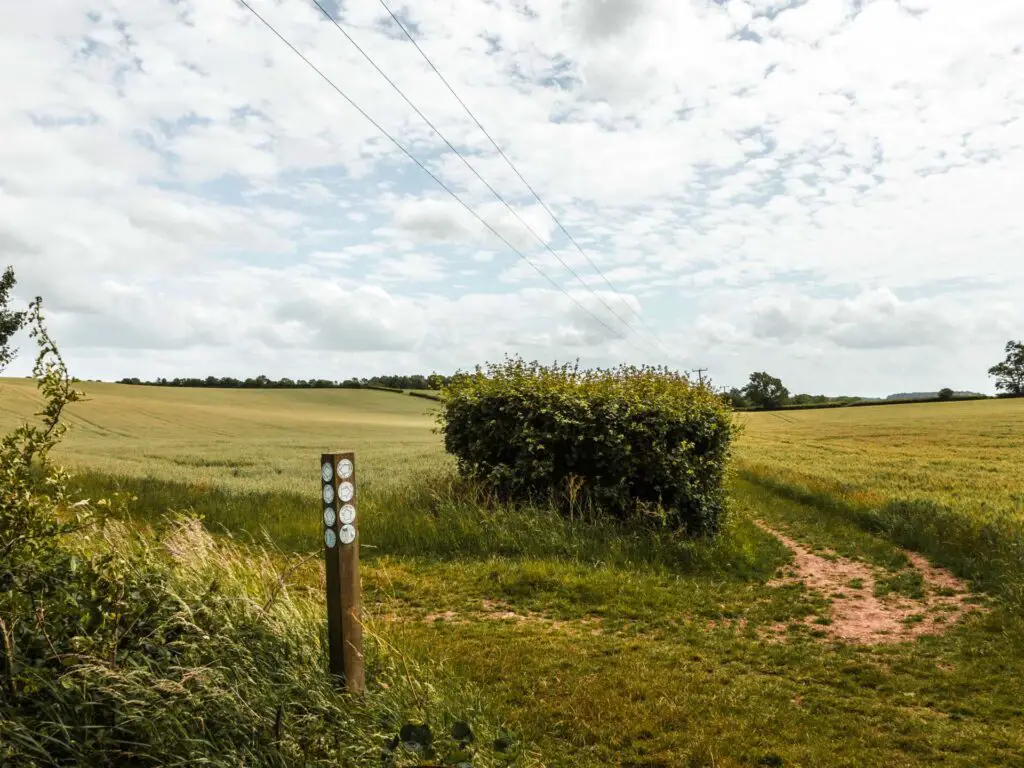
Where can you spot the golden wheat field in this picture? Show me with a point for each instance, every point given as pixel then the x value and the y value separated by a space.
pixel 243 440
pixel 966 455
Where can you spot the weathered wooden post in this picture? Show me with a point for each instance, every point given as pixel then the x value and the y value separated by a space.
pixel 341 549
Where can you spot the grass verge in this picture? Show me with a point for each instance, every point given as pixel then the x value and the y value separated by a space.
pixel 986 549
pixel 601 647
pixel 610 666
pixel 438 521
pixel 195 650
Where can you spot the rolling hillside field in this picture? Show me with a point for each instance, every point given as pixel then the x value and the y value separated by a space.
pixel 244 440
pixel 966 455
pixel 810 633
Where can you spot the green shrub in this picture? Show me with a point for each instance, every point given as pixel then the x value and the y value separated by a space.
pixel 631 442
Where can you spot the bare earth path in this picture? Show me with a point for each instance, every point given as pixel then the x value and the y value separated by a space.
pixel 860 616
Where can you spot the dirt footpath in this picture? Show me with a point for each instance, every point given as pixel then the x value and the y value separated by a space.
pixel 857 614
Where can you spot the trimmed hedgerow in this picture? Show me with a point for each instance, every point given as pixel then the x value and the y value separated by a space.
pixel 631 442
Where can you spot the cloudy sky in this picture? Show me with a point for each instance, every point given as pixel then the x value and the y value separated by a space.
pixel 830 190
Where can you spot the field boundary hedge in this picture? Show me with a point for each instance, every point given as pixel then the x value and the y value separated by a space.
pixel 634 443
pixel 426 396
pixel 868 403
pixel 375 388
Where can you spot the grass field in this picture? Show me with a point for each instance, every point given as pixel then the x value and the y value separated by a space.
pixel 965 455
pixel 600 646
pixel 241 440
pixel 946 479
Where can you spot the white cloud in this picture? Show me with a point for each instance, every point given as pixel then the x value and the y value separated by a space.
pixel 434 220
pixel 409 268
pixel 812 21
pixel 872 319
pixel 605 18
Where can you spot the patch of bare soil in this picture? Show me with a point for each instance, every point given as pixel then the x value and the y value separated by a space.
pixel 857 615
pixel 495 611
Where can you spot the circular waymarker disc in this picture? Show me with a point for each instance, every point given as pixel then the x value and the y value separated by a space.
pixel 344 469
pixel 330 539
pixel 347 534
pixel 327 472
pixel 346 491
pixel 329 516
pixel 328 494
pixel 348 514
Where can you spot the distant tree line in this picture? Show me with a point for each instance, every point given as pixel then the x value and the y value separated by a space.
pixel 762 391
pixel 415 381
pixel 766 392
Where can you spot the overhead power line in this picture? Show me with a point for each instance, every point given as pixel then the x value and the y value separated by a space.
pixel 427 171
pixel 482 180
pixel 515 170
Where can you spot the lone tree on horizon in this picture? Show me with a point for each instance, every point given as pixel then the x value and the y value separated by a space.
pixel 10 322
pixel 1009 374
pixel 765 391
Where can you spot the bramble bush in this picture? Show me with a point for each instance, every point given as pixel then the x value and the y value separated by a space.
pixel 632 442
pixel 106 656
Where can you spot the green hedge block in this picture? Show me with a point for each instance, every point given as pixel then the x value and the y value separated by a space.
pixel 631 442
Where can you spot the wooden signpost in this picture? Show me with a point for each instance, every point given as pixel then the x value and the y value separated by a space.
pixel 341 550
